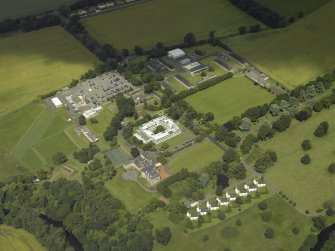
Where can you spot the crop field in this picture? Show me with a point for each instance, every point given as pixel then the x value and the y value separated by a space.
pixel 289 8
pixel 196 157
pixel 250 235
pixel 308 185
pixel 18 8
pixel 296 54
pixel 129 192
pixel 38 62
pixel 165 21
pixel 12 239
pixel 221 98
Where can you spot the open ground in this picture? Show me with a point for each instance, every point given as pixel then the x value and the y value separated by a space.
pixel 38 62
pixel 229 98
pixel 165 21
pixel 227 235
pixel 296 54
pixel 308 185
pixel 12 239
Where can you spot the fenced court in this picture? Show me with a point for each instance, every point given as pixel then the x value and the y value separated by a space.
pixel 117 156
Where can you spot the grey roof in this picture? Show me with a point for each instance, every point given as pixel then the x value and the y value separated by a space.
pixel 151 172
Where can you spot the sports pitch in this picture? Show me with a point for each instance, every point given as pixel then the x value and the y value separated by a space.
pixel 165 21
pixel 38 62
pixel 196 157
pixel 308 185
pixel 229 98
pixel 117 156
pixel 296 54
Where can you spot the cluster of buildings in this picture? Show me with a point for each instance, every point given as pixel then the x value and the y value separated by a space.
pixel 147 167
pixel 197 208
pixel 193 67
pixel 147 132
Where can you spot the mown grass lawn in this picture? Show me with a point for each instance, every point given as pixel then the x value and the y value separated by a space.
pixel 38 62
pixel 229 98
pixel 249 236
pixel 129 192
pixel 15 239
pixel 165 21
pixel 175 84
pixel 195 157
pixel 296 54
pixel 308 185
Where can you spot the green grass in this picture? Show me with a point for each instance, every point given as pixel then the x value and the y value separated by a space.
pixel 229 98
pixel 9 166
pixel 175 84
pixel 13 239
pixel 38 62
pixel 196 157
pixel 104 119
pixel 129 192
pixel 309 185
pixel 294 55
pixel 18 8
pixel 175 140
pixel 208 49
pixel 56 143
pixel 165 21
pixel 289 8
pixel 249 236
pixel 15 124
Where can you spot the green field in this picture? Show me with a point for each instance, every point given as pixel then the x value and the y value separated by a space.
pixel 309 185
pixel 291 8
pixel 12 239
pixel 18 8
pixel 249 236
pixel 129 192
pixel 229 98
pixel 165 21
pixel 294 55
pixel 196 157
pixel 38 62
pixel 175 84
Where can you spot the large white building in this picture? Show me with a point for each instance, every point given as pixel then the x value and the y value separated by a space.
pixel 147 132
pixel 56 102
pixel 92 112
pixel 176 53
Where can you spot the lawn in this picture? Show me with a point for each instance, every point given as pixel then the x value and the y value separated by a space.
pixel 165 21
pixel 195 157
pixel 250 235
pixel 291 8
pixel 9 166
pixel 296 54
pixel 309 185
pixel 14 239
pixel 18 8
pixel 175 84
pixel 229 98
pixel 38 62
pixel 129 192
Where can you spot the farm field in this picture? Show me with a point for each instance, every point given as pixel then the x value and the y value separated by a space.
pixel 13 239
pixel 221 98
pixel 289 8
pixel 296 54
pixel 228 235
pixel 165 21
pixel 19 8
pixel 129 192
pixel 195 157
pixel 308 185
pixel 38 62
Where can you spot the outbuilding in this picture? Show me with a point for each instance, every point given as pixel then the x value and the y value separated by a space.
pixel 176 53
pixel 56 102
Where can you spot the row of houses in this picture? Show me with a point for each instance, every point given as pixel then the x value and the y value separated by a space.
pixel 212 205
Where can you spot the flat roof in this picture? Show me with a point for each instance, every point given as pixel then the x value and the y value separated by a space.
pixel 56 101
pixel 176 53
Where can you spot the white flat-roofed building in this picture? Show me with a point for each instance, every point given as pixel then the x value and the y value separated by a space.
pixel 195 67
pixel 92 112
pixel 176 53
pixel 56 102
pixel 88 134
pixel 147 132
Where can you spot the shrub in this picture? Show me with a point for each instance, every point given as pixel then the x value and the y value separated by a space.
pixel 269 233
pixel 262 205
pixel 266 216
pixel 295 231
pixel 238 222
pixel 306 145
pixel 305 159
pixel 331 168
pixel 322 129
